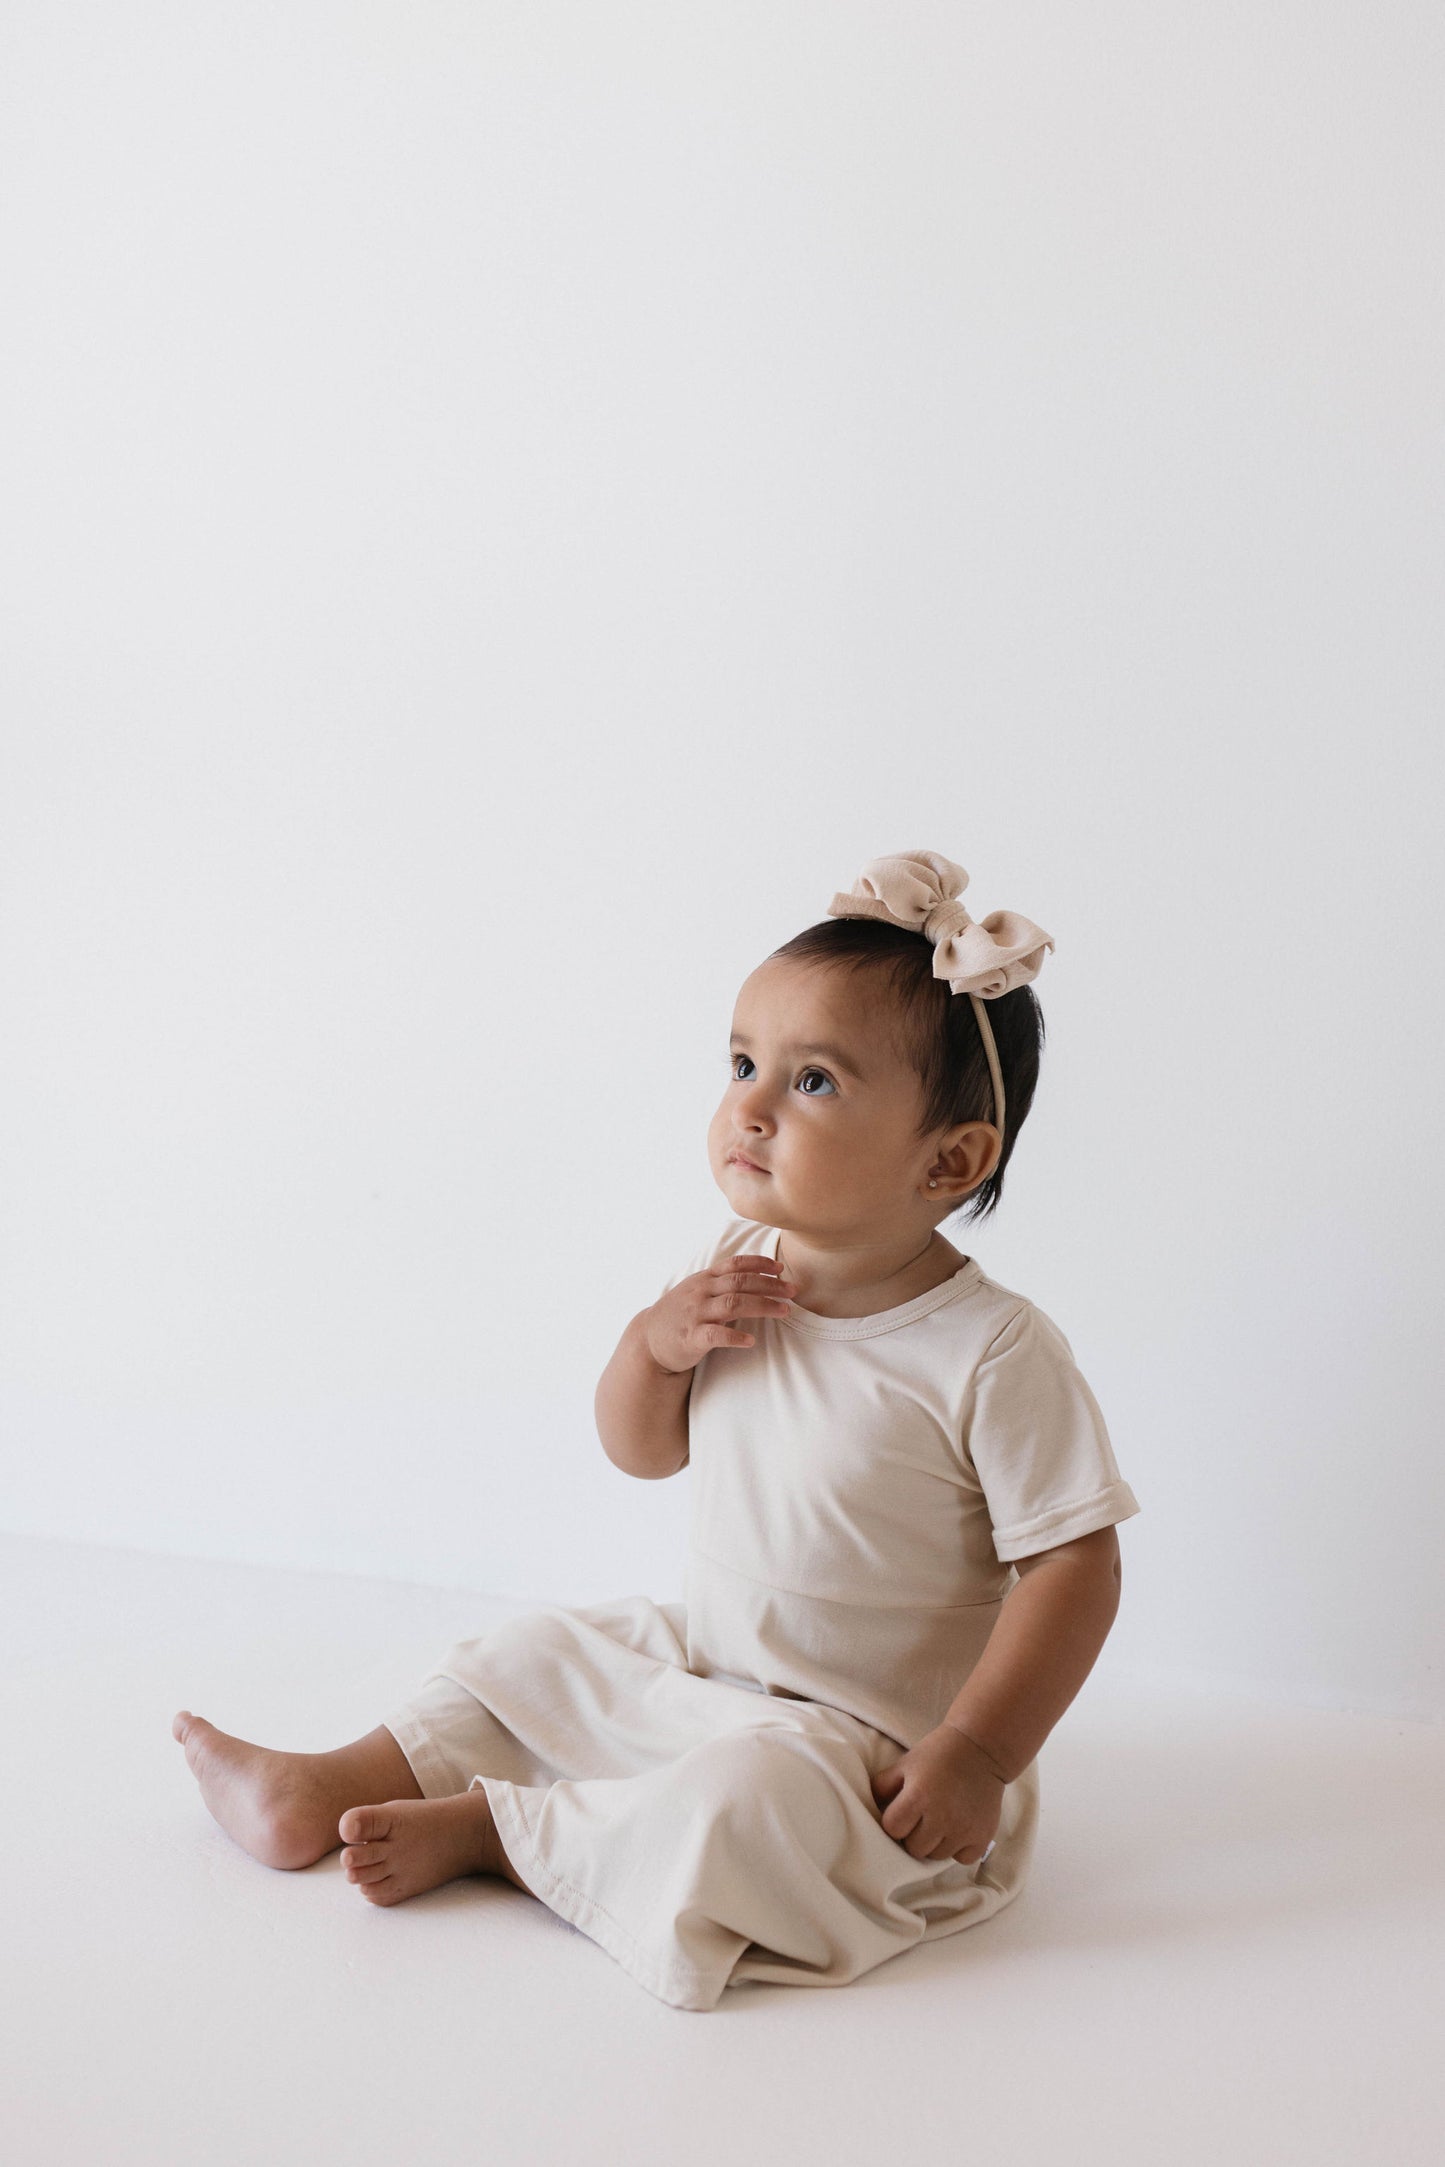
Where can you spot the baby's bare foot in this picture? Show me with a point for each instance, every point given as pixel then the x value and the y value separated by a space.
pixel 277 1806
pixel 398 1850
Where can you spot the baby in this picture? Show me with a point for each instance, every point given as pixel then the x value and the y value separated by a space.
pixel 902 1560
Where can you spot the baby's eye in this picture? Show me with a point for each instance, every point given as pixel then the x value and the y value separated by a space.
pixel 735 1058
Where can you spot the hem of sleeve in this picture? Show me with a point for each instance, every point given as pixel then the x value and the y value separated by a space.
pixel 1063 1523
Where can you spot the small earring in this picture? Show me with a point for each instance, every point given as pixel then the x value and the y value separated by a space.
pixel 933 1185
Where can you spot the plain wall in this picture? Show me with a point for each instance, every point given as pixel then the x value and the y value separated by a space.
pixel 505 510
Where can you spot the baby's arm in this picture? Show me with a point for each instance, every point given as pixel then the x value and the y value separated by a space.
pixel 641 1408
pixel 642 1395
pixel 1045 1641
pixel 943 1799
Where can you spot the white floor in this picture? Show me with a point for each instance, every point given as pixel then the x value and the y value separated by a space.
pixel 1233 1940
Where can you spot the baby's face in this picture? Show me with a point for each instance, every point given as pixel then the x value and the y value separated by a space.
pixel 825 1105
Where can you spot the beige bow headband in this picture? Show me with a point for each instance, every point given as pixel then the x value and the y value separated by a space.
pixel 916 889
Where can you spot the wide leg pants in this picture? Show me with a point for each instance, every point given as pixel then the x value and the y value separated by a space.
pixel 702 1832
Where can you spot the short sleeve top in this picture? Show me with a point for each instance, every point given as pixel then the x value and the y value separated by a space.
pixel 885 1469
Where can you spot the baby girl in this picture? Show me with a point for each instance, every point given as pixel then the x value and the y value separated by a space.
pixel 902 1559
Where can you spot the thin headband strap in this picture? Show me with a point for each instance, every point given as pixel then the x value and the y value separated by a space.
pixel 990 1047
pixel 919 890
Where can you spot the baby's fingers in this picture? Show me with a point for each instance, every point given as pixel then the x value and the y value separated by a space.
pixel 745 1294
pixel 926 1841
pixel 902 1818
pixel 723 1335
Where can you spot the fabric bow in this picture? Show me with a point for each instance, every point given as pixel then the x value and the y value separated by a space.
pixel 916 889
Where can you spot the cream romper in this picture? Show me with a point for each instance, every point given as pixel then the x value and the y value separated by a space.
pixel 688 1782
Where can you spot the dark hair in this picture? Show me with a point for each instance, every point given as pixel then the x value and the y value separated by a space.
pixel 939 1034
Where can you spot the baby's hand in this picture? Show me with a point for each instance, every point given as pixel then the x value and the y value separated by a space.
pixel 694 1316
pixel 946 1799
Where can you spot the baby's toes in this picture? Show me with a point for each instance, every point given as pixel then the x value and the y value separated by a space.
pixel 383 1891
pixel 363 1876
pixel 364 1824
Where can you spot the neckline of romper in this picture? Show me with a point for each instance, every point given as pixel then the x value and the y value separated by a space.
pixel 882 1320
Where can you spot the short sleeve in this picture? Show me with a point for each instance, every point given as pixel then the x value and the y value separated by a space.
pixel 1037 1441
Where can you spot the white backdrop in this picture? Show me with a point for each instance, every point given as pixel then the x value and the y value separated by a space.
pixel 505 509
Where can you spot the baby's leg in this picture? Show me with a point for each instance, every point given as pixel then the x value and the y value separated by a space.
pixel 284 1807
pixel 398 1850
pixel 290 1809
